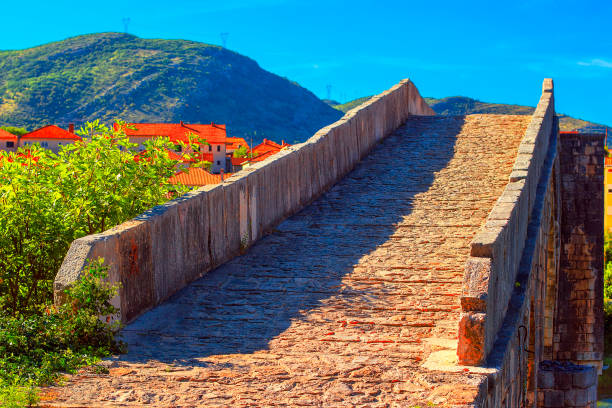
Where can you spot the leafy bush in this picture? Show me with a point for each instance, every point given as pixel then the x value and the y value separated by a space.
pixel 608 312
pixel 242 151
pixel 608 292
pixel 608 271
pixel 608 280
pixel 34 349
pixel 47 200
pixel 17 396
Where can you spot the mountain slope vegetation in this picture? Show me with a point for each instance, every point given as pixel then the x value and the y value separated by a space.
pixel 462 105
pixel 345 107
pixel 112 75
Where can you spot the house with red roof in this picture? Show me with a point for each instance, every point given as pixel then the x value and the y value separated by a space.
pixel 197 177
pixel 238 163
pixel 233 143
pixel 8 141
pixel 264 150
pixel 51 137
pixel 214 135
pixel 268 146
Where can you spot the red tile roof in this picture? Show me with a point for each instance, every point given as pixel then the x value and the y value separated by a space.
pixel 174 155
pixel 213 133
pixel 197 177
pixel 267 146
pixel 51 132
pixel 237 161
pixel 263 156
pixel 4 135
pixel 266 149
pixel 193 157
pixel 235 142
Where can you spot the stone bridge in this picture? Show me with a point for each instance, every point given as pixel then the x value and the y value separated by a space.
pixel 395 259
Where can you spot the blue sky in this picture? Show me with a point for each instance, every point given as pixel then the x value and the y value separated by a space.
pixel 492 51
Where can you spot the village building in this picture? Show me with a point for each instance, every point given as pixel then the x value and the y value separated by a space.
pixel 50 137
pixel 8 141
pixel 261 152
pixel 268 146
pixel 238 163
pixel 234 143
pixel 197 177
pixel 213 134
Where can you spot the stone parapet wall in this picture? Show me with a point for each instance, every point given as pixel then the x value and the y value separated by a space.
pixel 579 328
pixel 496 251
pixel 159 252
pixel 566 385
pixel 518 344
pixel 552 304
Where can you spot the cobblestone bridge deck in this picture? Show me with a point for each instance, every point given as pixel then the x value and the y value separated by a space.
pixel 343 303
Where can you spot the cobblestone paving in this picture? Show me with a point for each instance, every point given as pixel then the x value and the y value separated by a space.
pixel 339 306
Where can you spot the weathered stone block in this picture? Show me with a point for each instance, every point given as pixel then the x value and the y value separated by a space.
pixel 576 397
pixel 553 398
pixel 585 378
pixel 546 379
pixel 472 341
pixel 476 284
pixel 563 380
pixel 518 175
pixel 486 243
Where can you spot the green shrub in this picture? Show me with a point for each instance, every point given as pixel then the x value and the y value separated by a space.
pixel 608 293
pixel 608 274
pixel 34 349
pixel 47 200
pixel 17 396
pixel 242 151
pixel 608 312
pixel 608 280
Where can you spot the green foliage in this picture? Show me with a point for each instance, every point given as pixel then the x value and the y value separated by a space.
pixel 17 131
pixel 608 313
pixel 17 396
pixel 204 164
pixel 608 266
pixel 242 151
pixel 608 292
pixel 608 280
pixel 47 200
pixel 34 349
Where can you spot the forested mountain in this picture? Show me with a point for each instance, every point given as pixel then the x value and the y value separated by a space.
pixel 111 75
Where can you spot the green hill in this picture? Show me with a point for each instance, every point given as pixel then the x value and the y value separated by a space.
pixel 345 107
pixel 462 105
pixel 112 75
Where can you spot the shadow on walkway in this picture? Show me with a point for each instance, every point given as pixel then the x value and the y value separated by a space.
pixel 242 305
